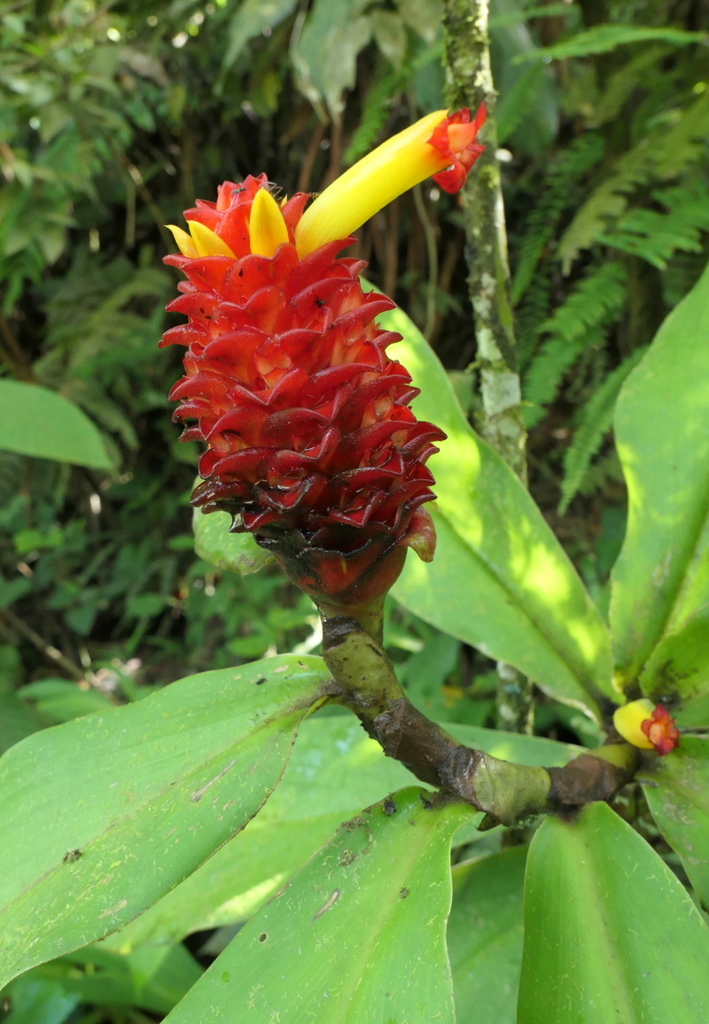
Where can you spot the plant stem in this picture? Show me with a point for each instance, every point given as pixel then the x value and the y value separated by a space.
pixel 366 683
pixel 467 57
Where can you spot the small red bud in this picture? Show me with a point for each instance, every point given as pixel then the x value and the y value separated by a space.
pixel 661 730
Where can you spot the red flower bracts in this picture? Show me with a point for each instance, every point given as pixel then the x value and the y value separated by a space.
pixel 311 442
pixel 460 158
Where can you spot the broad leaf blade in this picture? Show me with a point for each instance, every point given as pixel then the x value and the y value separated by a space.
pixel 500 579
pixel 335 769
pixel 610 932
pixel 102 816
pixel 661 578
pixel 485 934
pixel 679 802
pixel 40 422
pixel 357 936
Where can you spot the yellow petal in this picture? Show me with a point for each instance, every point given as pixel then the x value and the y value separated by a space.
pixel 267 228
pixel 208 242
pixel 184 241
pixel 628 719
pixel 394 167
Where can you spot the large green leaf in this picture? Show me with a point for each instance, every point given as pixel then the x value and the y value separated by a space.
pixel 357 936
pixel 679 801
pixel 660 598
pixel 500 579
pixel 102 816
pixel 335 770
pixel 485 933
pixel 610 932
pixel 40 422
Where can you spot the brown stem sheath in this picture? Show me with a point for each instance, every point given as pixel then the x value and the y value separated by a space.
pixel 505 792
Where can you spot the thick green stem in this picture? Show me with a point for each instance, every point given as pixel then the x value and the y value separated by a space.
pixel 366 683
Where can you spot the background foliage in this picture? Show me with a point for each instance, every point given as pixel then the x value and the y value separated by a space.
pixel 111 122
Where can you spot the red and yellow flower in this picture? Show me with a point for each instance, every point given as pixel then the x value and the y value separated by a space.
pixel 311 443
pixel 647 725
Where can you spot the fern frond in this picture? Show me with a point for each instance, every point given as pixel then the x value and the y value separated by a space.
pixel 594 421
pixel 564 174
pixel 606 467
pixel 375 112
pixel 579 323
pixel 516 102
pixel 604 38
pixel 662 155
pixel 533 311
pixel 594 301
pixel 385 87
pixel 551 364
pixel 622 84
pixel 683 272
pixel 655 236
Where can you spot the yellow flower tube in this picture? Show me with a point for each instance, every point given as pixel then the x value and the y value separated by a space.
pixel 425 149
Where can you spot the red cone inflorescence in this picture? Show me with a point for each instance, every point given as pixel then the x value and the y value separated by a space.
pixel 311 442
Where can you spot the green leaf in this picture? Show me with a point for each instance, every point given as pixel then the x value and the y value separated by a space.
pixel 16 720
pixel 594 421
pixel 500 579
pixel 610 932
pixel 154 978
pixel 335 769
pixel 102 816
pixel 604 38
pixel 679 802
pixel 250 19
pixel 236 552
pixel 63 701
pixel 357 936
pixel 485 934
pixel 325 53
pixel 42 423
pixel 36 999
pixel 661 579
pixel 679 665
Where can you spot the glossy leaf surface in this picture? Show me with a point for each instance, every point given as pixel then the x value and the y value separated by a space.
pixel 500 579
pixel 661 579
pixel 680 805
pixel 334 771
pixel 610 933
pixel 102 816
pixel 485 933
pixel 357 936
pixel 40 422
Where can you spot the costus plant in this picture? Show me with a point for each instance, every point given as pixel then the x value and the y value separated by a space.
pixel 312 445
pixel 320 851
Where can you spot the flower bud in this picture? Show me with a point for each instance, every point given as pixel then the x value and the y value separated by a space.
pixel 647 726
